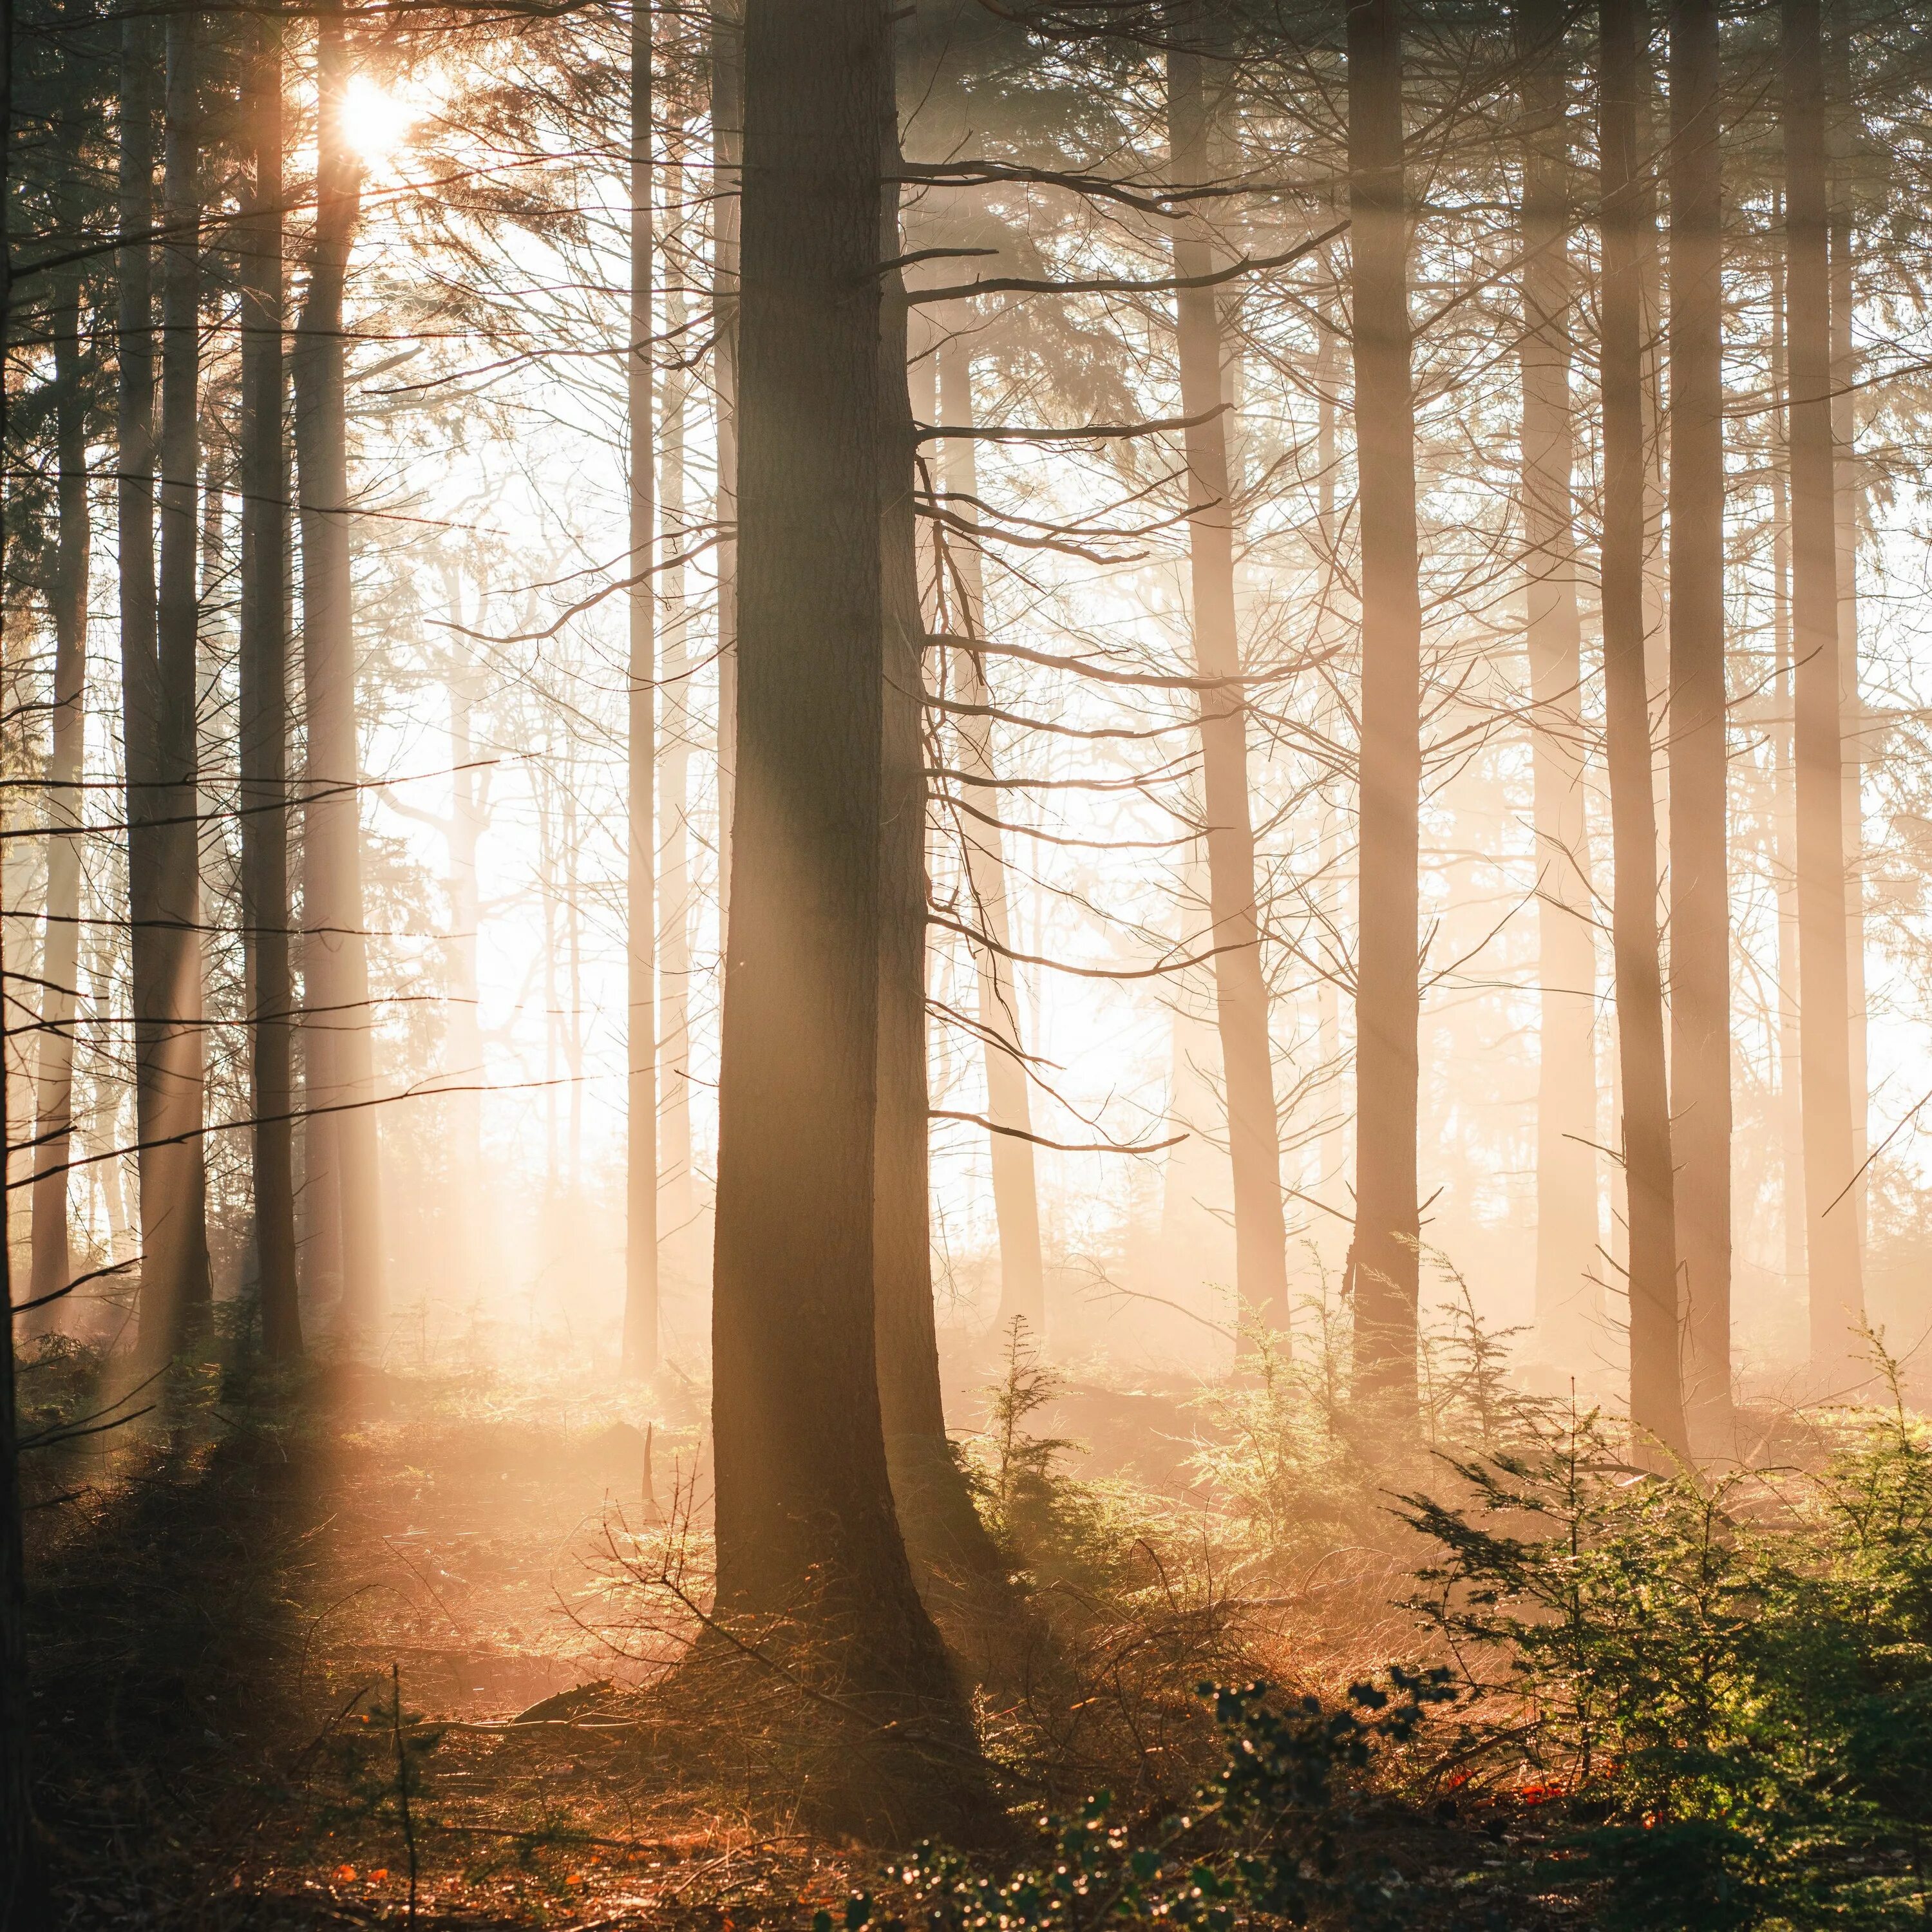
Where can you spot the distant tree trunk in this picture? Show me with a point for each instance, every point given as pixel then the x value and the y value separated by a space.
pixel 339 1048
pixel 25 1906
pixel 804 1516
pixel 60 955
pixel 1700 926
pixel 1241 994
pixel 727 125
pixel 1656 1397
pixel 264 668
pixel 1008 1095
pixel 640 1239
pixel 175 1288
pixel 1385 1265
pixel 1837 1283
pixel 1566 1101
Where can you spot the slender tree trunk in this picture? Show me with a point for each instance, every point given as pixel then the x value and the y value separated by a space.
pixel 265 704
pixel 1566 1101
pixel 1008 1095
pixel 25 1906
pixel 1384 1261
pixel 804 1515
pixel 1657 1399
pixel 343 1156
pixel 1837 1283
pixel 60 954
pixel 1240 988
pixel 727 125
pixel 175 1289
pixel 640 1241
pixel 1700 942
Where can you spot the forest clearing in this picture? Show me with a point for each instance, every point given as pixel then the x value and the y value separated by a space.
pixel 965 966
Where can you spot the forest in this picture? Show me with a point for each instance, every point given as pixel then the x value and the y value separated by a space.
pixel 965 965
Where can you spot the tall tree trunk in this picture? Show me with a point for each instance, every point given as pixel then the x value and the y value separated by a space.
pixel 264 669
pixel 1700 926
pixel 24 1905
pixel 1384 1263
pixel 804 1515
pixel 640 1236
pixel 1240 988
pixel 175 1288
pixel 1566 1100
pixel 1657 1398
pixel 1008 1095
pixel 60 955
pixel 338 1044
pixel 727 126
pixel 677 1197
pixel 1837 1283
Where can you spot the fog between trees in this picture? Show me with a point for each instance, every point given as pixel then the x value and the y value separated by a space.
pixel 718 699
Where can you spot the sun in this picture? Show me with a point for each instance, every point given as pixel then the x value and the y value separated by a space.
pixel 375 123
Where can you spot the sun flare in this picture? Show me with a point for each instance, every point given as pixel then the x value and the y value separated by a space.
pixel 375 122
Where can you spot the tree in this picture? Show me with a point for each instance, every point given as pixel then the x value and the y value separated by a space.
pixel 1241 998
pixel 1835 1265
pixel 337 1043
pixel 805 1525
pixel 264 699
pixel 1700 926
pixel 1384 1261
pixel 1566 1111
pixel 1656 1392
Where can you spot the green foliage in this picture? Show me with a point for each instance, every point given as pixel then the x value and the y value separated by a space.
pixel 1280 1831
pixel 1722 1686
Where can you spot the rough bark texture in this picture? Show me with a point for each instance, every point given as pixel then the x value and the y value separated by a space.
pixel 342 1155
pixel 1700 934
pixel 1384 1261
pixel 1836 1284
pixel 1656 1398
pixel 805 1523
pixel 175 1288
pixel 1566 1297
pixel 727 128
pixel 1009 1097
pixel 60 953
pixel 265 705
pixel 640 1193
pixel 1240 990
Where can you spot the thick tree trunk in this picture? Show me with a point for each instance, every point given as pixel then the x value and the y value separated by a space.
pixel 60 953
pixel 727 125
pixel 264 670
pixel 1656 1399
pixel 1009 1094
pixel 175 1288
pixel 641 1237
pixel 343 1153
pixel 1567 1299
pixel 804 1516
pixel 1837 1283
pixel 1240 988
pixel 1384 1262
pixel 1700 928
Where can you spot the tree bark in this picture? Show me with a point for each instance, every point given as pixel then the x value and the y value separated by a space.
pixel 1383 1263
pixel 640 1240
pixel 1835 1266
pixel 727 125
pixel 805 1516
pixel 1656 1398
pixel 176 1299
pixel 1009 1094
pixel 343 1154
pixel 1566 1301
pixel 264 668
pixel 60 953
pixel 1240 988
pixel 1700 927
